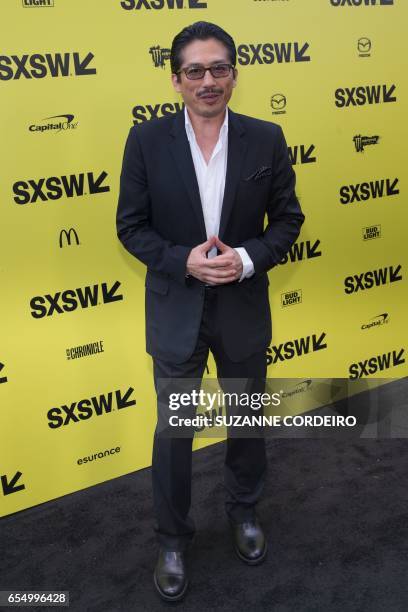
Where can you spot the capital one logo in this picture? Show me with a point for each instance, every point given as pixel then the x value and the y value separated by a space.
pixel 130 5
pixel 38 66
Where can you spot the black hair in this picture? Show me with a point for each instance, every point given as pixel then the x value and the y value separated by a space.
pixel 200 30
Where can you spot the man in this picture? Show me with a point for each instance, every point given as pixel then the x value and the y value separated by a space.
pixel 195 190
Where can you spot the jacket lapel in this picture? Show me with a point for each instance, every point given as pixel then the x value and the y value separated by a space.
pixel 237 146
pixel 180 149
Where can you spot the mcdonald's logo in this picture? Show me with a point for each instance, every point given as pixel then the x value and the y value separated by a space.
pixel 67 235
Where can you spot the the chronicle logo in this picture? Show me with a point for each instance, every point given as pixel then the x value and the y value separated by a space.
pixel 278 104
pixel 372 278
pixel 67 235
pixel 71 299
pixel 361 192
pixel 62 123
pixel 361 2
pixel 381 319
pixel 37 66
pixel 364 94
pixel 290 298
pixel 371 232
pixel 268 53
pixel 296 348
pixel 130 5
pixel 302 250
pixel 159 56
pixel 37 3
pixel 85 409
pixel 377 363
pixel 364 141
pixel 364 47
pixel 57 187
pixel 302 154
pixel 153 111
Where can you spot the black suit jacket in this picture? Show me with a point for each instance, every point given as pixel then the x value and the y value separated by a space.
pixel 160 219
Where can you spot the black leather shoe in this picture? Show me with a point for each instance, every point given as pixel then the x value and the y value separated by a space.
pixel 249 541
pixel 170 576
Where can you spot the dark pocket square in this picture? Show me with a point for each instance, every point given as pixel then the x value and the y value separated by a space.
pixel 259 173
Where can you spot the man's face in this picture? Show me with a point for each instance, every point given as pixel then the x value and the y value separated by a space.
pixel 208 96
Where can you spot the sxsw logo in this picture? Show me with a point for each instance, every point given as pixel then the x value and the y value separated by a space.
pixel 37 3
pixel 71 299
pixel 361 192
pixel 364 94
pixel 372 232
pixel 302 250
pixel 3 379
pixel 150 111
pixel 85 409
pixel 130 5
pixel 38 66
pixel 57 187
pixel 268 53
pixel 372 278
pixel 302 154
pixel 289 298
pixel 296 348
pixel 67 235
pixel 361 2
pixel 377 363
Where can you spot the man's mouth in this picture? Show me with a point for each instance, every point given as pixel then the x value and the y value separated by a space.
pixel 210 97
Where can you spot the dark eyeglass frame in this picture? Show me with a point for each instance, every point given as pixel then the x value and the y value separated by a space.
pixel 205 68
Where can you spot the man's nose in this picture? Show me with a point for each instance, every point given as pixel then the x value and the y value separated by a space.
pixel 208 79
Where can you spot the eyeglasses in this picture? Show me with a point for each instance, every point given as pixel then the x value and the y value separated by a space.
pixel 218 71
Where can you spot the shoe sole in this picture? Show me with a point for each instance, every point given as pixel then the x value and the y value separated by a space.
pixel 169 597
pixel 256 561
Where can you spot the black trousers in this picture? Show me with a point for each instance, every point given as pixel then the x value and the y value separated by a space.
pixel 245 464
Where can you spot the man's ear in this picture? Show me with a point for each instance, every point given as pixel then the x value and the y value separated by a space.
pixel 176 82
pixel 235 77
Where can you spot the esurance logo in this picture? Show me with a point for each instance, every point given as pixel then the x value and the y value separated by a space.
pixel 361 2
pixel 38 66
pixel 372 278
pixel 364 94
pixel 153 111
pixel 85 409
pixel 57 187
pixel 71 299
pixel 269 53
pixel 137 5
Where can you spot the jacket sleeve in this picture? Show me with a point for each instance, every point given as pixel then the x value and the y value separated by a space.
pixel 133 218
pixel 285 217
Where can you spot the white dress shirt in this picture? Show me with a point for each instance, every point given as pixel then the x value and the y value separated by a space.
pixel 211 183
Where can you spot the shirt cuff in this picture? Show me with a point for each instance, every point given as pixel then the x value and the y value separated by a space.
pixel 247 264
